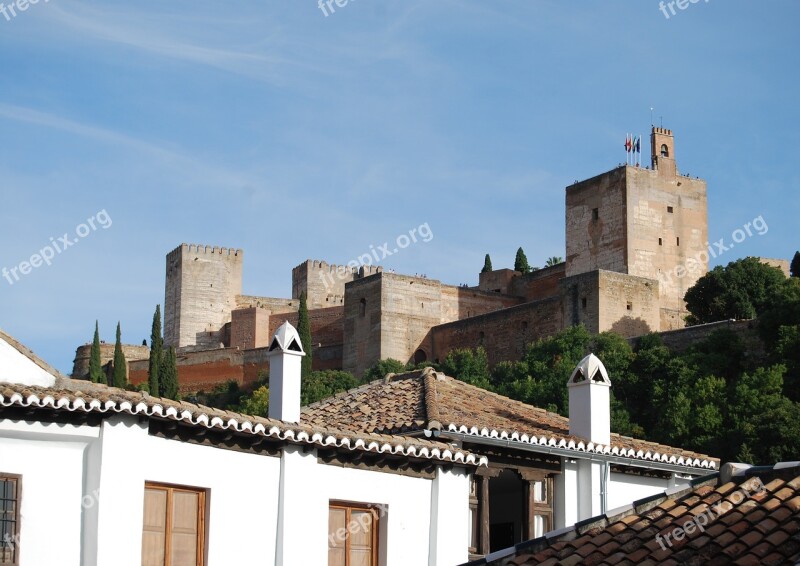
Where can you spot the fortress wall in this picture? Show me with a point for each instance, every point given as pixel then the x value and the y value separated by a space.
pixel 272 304
pixel 80 366
pixel 497 281
pixel 605 300
pixel 462 302
pixel 597 243
pixel 250 328
pixel 202 283
pixel 669 246
pixel 200 370
pixel 540 284
pixel 362 324
pixel 503 333
pixel 324 283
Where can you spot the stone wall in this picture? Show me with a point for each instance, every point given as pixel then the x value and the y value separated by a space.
pixel 667 232
pixel 202 283
pixel 250 328
pixel 362 324
pixel 504 333
pixel 540 284
pixel 324 283
pixel 80 366
pixel 605 300
pixel 391 316
pixel 200 370
pixel 596 227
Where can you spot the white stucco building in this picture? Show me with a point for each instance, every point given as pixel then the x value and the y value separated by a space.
pixel 415 469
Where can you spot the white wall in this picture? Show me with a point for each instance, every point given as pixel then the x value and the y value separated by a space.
pixel 625 488
pixel 18 368
pixel 242 499
pixel 50 459
pixel 83 494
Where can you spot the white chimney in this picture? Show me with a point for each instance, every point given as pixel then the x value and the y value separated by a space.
pixel 285 358
pixel 589 401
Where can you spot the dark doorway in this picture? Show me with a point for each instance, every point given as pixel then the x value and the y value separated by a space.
pixel 420 356
pixel 506 510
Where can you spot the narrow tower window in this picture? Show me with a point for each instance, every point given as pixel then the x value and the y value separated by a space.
pixel 363 307
pixel 595 213
pixel 670 209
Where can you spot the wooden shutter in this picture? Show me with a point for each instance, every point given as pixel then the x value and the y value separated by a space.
pixel 352 535
pixel 174 526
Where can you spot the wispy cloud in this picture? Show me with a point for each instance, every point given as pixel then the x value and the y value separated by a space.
pixel 161 37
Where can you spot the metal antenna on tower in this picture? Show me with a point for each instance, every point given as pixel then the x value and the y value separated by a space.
pixel 651 115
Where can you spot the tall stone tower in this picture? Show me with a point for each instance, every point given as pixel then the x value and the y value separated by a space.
pixel 202 283
pixel 649 223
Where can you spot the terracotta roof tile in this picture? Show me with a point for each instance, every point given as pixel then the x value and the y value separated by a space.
pixel 748 527
pixel 78 396
pixel 427 400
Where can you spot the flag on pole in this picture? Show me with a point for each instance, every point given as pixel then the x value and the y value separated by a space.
pixel 638 148
pixel 628 143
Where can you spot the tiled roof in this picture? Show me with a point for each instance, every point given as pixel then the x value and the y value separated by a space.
pixel 751 518
pixel 427 400
pixel 86 397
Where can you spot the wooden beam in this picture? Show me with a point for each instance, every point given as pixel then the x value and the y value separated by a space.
pixel 483 506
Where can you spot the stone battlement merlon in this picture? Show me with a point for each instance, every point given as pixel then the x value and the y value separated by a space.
pixel 663 131
pixel 321 265
pixel 205 249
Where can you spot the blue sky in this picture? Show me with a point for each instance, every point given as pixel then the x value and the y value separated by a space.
pixel 270 127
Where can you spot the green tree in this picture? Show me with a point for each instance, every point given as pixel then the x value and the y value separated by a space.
pixel 119 375
pixel 304 330
pixel 96 373
pixel 554 260
pixel 794 269
pixel 257 403
pixel 470 366
pixel 487 264
pixel 766 424
pixel 380 369
pixel 323 384
pixel 168 374
pixel 521 262
pixel 156 353
pixel 741 290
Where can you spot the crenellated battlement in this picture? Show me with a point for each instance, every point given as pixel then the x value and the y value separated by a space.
pixel 205 249
pixel 332 268
pixel 662 131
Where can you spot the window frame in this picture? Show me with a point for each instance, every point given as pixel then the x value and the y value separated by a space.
pixel 17 516
pixel 350 506
pixel 202 517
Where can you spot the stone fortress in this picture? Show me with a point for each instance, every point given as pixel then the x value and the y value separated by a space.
pixel 636 241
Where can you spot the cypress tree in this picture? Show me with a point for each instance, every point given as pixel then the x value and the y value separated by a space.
pixel 119 377
pixel 487 264
pixel 96 373
pixel 304 330
pixel 795 267
pixel 168 374
pixel 156 352
pixel 521 262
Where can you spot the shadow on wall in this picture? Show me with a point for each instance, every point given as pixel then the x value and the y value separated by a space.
pixel 630 327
